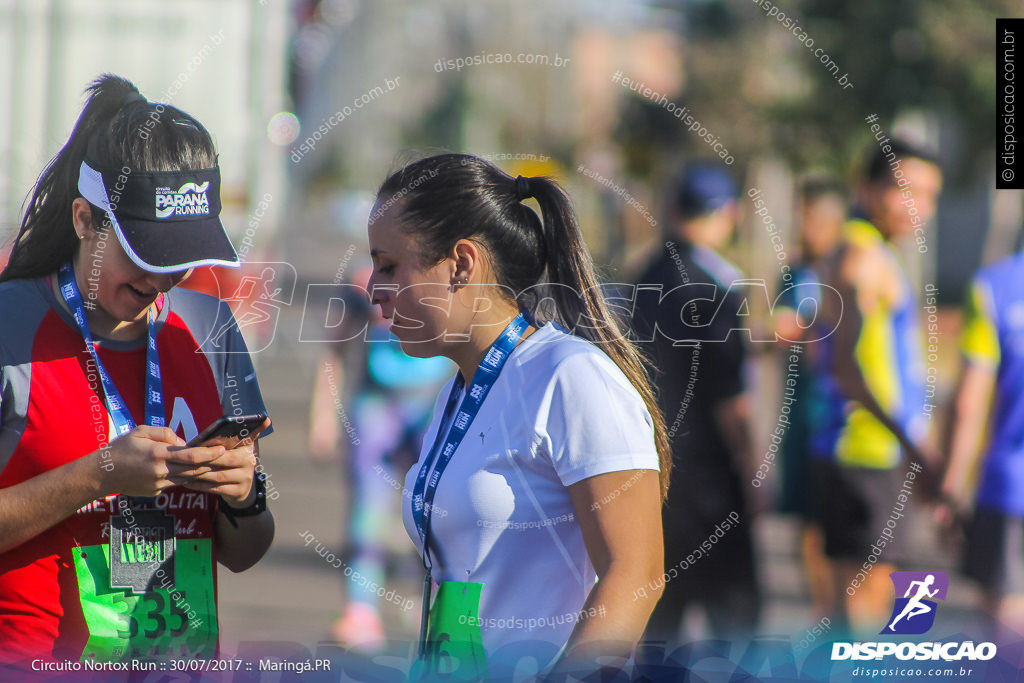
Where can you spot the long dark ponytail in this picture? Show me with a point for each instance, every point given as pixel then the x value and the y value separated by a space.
pixel 130 133
pixel 449 197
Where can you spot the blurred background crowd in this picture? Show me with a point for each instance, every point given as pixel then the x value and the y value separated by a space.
pixel 311 102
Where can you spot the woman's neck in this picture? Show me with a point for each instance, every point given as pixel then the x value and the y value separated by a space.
pixel 116 330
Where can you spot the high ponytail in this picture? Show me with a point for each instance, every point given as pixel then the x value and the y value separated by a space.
pixel 579 299
pixel 546 263
pixel 130 133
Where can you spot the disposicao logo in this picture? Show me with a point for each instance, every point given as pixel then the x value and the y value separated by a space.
pixel 188 200
pixel 913 613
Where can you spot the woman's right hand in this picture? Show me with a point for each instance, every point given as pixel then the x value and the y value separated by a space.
pixel 147 460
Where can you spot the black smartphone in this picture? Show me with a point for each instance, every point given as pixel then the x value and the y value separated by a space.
pixel 225 427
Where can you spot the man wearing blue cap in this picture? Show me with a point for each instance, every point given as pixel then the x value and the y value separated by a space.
pixel 684 315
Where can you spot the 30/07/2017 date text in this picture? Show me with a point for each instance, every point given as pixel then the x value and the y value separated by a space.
pixel 184 665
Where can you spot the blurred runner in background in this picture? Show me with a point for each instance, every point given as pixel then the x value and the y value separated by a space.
pixel 822 211
pixel 872 377
pixel 986 440
pixel 702 394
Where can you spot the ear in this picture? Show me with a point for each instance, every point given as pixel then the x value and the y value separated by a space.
pixel 467 261
pixel 81 217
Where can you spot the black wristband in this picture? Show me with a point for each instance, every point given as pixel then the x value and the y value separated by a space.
pixel 259 505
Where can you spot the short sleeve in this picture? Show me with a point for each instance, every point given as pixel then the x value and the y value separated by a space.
pixel 596 421
pixel 979 340
pixel 241 391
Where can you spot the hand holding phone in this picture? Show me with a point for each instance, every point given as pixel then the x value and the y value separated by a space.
pixel 228 431
pixel 229 475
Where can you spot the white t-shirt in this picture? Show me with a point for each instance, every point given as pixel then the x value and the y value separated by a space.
pixel 560 411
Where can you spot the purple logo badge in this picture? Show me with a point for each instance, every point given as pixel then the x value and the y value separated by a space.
pixel 914 610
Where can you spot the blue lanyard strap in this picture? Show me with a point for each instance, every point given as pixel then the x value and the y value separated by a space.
pixel 483 379
pixel 119 413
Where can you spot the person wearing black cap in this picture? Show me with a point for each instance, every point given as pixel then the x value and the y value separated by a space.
pixel 110 527
pixel 682 320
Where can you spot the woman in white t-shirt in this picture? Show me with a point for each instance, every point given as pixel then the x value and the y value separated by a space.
pixel 548 490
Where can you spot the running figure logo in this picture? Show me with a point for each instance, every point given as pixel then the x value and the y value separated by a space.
pixel 256 303
pixel 914 613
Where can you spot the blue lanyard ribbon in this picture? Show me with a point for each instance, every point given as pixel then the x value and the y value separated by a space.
pixel 119 413
pixel 483 379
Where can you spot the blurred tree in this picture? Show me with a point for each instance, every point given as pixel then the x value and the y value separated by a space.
pixel 752 81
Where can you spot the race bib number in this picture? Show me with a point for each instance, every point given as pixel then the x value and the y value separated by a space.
pixel 176 615
pixel 454 648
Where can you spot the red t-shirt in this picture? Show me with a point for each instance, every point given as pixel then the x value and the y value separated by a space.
pixel 52 411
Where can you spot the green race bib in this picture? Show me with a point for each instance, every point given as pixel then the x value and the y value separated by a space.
pixel 454 648
pixel 171 618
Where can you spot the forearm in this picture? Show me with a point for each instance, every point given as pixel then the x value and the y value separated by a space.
pixel 964 454
pixel 240 548
pixel 968 420
pixel 34 506
pixel 855 388
pixel 612 620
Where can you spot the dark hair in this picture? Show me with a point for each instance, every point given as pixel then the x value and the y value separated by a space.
pixel 448 197
pixel 814 186
pixel 878 168
pixel 130 133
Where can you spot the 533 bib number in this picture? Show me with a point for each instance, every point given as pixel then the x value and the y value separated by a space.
pixel 169 618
